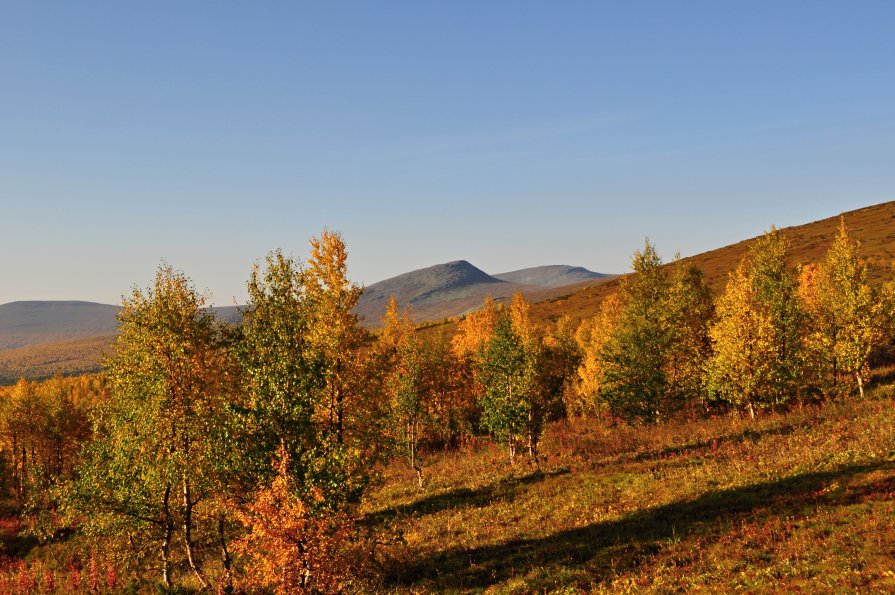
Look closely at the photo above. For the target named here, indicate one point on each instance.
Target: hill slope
(791, 502)
(873, 226)
(33, 322)
(452, 288)
(68, 358)
(551, 276)
(432, 291)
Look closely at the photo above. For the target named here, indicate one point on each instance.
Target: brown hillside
(68, 358)
(873, 226)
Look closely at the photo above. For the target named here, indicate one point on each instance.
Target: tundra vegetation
(676, 440)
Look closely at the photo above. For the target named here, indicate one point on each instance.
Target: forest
(249, 458)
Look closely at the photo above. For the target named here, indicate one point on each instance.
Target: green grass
(793, 501)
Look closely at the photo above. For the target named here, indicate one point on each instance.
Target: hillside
(40, 339)
(68, 358)
(35, 322)
(800, 501)
(551, 276)
(452, 288)
(873, 226)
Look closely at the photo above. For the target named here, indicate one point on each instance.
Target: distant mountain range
(38, 339)
(452, 288)
(30, 323)
(23, 324)
(435, 292)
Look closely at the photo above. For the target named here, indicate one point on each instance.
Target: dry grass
(803, 500)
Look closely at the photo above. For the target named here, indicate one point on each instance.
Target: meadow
(802, 500)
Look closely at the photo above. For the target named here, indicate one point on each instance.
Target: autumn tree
(42, 427)
(476, 329)
(690, 311)
(513, 403)
(591, 337)
(775, 286)
(559, 370)
(741, 368)
(452, 400)
(147, 476)
(848, 317)
(303, 376)
(409, 402)
(756, 337)
(649, 363)
(634, 380)
(282, 372)
(334, 332)
(287, 547)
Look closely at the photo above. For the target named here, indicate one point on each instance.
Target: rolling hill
(40, 338)
(551, 276)
(32, 323)
(454, 287)
(873, 227)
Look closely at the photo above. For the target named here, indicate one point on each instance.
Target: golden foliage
(591, 337)
(476, 329)
(290, 549)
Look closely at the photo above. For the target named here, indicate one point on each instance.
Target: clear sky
(510, 134)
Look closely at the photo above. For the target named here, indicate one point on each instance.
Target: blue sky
(510, 134)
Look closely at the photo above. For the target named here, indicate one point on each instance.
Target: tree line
(234, 457)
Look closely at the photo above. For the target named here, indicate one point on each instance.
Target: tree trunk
(751, 411)
(23, 476)
(860, 380)
(168, 525)
(227, 579)
(188, 534)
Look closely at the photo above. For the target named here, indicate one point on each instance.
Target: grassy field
(794, 501)
(797, 501)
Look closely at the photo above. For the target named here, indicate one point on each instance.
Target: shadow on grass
(606, 548)
(505, 489)
(14, 543)
(747, 435)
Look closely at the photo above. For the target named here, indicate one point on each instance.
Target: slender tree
(635, 383)
(149, 473)
(591, 338)
(741, 368)
(334, 330)
(848, 316)
(758, 335)
(513, 400)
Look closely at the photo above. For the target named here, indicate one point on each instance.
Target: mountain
(453, 288)
(432, 291)
(31, 323)
(552, 276)
(25, 324)
(38, 338)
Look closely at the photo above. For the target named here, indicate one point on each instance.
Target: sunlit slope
(873, 226)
